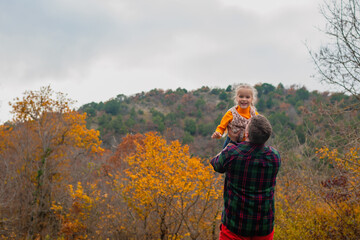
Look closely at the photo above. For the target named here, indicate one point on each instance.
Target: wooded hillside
(150, 178)
(192, 116)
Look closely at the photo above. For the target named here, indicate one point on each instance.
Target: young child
(238, 117)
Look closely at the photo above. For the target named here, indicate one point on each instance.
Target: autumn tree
(45, 142)
(169, 193)
(338, 62)
(79, 214)
(318, 204)
(318, 188)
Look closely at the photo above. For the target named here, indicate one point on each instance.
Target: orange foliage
(36, 103)
(126, 148)
(284, 106)
(187, 98)
(5, 132)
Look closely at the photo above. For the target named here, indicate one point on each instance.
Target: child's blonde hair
(246, 86)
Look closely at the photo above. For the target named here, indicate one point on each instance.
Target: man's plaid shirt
(250, 177)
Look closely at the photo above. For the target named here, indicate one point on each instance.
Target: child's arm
(228, 117)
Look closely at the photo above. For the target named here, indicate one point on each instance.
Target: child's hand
(216, 135)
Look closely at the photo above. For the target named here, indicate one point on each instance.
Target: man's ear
(246, 135)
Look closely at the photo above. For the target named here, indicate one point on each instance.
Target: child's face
(244, 97)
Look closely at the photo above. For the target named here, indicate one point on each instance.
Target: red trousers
(225, 234)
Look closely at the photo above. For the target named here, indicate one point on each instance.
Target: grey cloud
(41, 40)
(173, 43)
(50, 39)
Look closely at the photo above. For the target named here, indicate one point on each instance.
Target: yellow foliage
(329, 210)
(164, 182)
(78, 135)
(74, 219)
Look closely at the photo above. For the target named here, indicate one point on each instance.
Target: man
(250, 170)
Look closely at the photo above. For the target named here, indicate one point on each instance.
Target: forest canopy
(140, 165)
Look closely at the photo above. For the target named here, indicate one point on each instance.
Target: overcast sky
(94, 50)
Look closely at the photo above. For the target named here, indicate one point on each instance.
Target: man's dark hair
(259, 129)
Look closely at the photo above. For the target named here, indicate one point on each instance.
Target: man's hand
(234, 136)
(216, 135)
